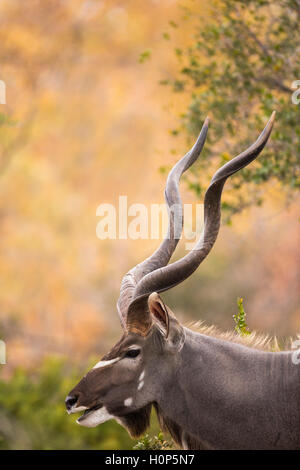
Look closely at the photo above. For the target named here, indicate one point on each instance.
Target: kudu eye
(132, 353)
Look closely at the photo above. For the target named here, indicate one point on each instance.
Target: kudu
(209, 393)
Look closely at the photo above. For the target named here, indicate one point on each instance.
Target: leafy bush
(33, 415)
(153, 443)
(241, 64)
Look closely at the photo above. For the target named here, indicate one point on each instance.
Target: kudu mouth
(91, 417)
(88, 412)
(73, 407)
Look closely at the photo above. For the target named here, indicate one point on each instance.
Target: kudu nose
(70, 401)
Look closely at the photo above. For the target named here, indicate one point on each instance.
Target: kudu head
(141, 366)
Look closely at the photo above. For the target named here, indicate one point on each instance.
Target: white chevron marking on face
(105, 363)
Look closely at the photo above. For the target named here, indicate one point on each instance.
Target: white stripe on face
(141, 380)
(140, 385)
(142, 376)
(105, 363)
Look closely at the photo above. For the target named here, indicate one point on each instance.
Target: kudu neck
(213, 373)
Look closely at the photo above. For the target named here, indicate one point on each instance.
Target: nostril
(70, 401)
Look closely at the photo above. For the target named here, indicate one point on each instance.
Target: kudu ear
(166, 322)
(159, 312)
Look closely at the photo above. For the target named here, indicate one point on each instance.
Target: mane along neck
(253, 340)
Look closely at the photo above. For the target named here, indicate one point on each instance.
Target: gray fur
(234, 397)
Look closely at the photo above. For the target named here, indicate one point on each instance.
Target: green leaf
(144, 56)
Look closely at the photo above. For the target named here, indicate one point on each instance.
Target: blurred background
(102, 98)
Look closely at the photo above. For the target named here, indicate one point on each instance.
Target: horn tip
(272, 118)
